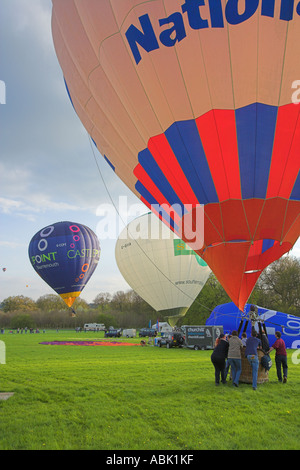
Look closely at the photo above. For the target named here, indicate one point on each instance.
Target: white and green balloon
(160, 267)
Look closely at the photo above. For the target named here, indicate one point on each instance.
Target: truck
(201, 336)
(94, 327)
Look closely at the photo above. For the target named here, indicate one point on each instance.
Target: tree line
(120, 310)
(278, 288)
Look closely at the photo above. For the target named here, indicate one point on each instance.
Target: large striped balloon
(192, 102)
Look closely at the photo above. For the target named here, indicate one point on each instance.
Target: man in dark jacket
(218, 358)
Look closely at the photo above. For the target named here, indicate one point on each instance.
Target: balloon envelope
(65, 255)
(193, 103)
(159, 266)
(230, 317)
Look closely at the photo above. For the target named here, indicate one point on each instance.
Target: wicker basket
(246, 375)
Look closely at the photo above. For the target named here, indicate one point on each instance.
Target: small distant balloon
(4, 269)
(65, 255)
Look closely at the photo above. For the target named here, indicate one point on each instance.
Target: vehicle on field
(171, 340)
(147, 332)
(129, 333)
(94, 327)
(201, 336)
(113, 333)
(163, 328)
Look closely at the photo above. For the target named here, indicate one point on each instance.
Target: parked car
(147, 332)
(170, 340)
(113, 333)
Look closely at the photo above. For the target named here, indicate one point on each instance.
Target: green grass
(113, 398)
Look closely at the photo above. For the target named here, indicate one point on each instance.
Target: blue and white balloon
(229, 316)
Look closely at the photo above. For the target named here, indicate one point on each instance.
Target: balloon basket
(246, 375)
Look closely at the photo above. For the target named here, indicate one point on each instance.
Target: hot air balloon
(65, 255)
(231, 319)
(159, 266)
(193, 105)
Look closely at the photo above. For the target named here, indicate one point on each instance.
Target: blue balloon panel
(65, 255)
(229, 316)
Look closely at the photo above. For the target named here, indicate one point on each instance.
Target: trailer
(129, 333)
(201, 336)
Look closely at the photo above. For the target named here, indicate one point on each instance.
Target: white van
(166, 329)
(94, 327)
(129, 333)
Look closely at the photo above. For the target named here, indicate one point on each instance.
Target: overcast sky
(47, 167)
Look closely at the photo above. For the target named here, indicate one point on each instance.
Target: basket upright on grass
(246, 375)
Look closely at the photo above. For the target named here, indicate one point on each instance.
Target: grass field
(133, 397)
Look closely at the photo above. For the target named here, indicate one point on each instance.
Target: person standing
(244, 338)
(251, 354)
(280, 357)
(264, 342)
(218, 358)
(234, 357)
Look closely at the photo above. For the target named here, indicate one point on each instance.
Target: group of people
(228, 354)
(21, 330)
